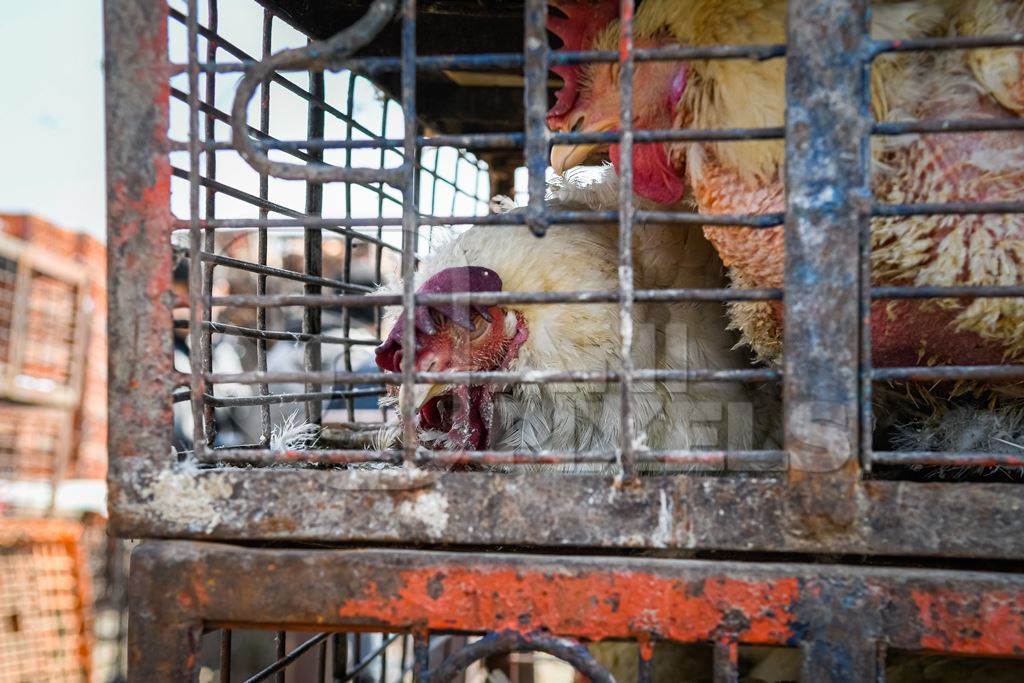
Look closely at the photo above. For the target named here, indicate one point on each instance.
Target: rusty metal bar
(209, 211)
(313, 257)
(826, 176)
(266, 428)
(535, 104)
(627, 444)
(138, 223)
(834, 612)
(726, 654)
(410, 228)
(694, 460)
(225, 656)
(199, 349)
(667, 512)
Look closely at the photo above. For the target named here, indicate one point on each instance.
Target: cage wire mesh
(273, 258)
(310, 261)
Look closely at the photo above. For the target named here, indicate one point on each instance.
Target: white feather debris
(294, 434)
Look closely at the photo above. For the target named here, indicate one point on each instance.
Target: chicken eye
(480, 327)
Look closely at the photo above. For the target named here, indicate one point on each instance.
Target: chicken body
(586, 337)
(746, 177)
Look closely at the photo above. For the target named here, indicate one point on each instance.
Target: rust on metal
(831, 610)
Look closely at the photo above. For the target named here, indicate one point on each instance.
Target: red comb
(583, 20)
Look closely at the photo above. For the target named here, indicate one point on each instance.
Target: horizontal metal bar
(756, 460)
(279, 399)
(496, 298)
(262, 269)
(947, 291)
(945, 43)
(235, 193)
(949, 372)
(763, 221)
(979, 125)
(947, 209)
(944, 459)
(372, 66)
(272, 335)
(507, 140)
(496, 377)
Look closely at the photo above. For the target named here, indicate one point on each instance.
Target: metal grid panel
(825, 384)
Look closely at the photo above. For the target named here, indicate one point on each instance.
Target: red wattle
(653, 175)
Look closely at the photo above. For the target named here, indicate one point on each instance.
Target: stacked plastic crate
(52, 352)
(52, 444)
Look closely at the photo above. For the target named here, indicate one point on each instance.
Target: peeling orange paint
(989, 623)
(593, 605)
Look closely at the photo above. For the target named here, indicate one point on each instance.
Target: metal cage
(187, 130)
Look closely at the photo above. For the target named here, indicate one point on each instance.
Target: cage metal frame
(826, 292)
(842, 617)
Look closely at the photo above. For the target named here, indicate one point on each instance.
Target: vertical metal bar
(321, 662)
(210, 209)
(626, 449)
(726, 661)
(645, 660)
(314, 257)
(197, 303)
(404, 661)
(420, 656)
(409, 226)
(225, 655)
(827, 137)
(535, 58)
(261, 236)
(280, 650)
(378, 262)
(163, 635)
(346, 312)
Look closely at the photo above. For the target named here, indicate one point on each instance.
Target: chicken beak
(564, 157)
(421, 393)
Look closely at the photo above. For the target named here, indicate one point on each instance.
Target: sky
(52, 112)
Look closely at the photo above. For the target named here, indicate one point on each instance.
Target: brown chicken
(746, 177)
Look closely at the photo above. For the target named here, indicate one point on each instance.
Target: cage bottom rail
(840, 616)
